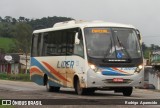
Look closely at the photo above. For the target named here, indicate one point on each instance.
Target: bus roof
(82, 24)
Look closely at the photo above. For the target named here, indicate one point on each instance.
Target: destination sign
(100, 31)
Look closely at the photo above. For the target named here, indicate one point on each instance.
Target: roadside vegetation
(6, 106)
(15, 77)
(15, 33)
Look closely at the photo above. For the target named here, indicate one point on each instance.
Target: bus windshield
(116, 43)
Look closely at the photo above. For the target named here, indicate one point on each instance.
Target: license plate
(118, 80)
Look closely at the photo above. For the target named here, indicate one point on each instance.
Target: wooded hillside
(19, 31)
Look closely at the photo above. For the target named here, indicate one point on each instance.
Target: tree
(14, 21)
(46, 22)
(5, 29)
(21, 19)
(22, 33)
(144, 47)
(1, 19)
(8, 19)
(152, 47)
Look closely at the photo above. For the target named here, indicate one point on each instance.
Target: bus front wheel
(127, 91)
(79, 90)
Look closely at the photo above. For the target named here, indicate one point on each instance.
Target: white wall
(155, 80)
(14, 68)
(23, 60)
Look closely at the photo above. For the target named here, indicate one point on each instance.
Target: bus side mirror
(77, 41)
(138, 34)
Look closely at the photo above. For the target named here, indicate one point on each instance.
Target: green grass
(6, 43)
(15, 77)
(6, 106)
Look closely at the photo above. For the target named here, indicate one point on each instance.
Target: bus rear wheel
(127, 91)
(52, 88)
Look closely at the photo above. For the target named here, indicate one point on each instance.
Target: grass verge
(18, 77)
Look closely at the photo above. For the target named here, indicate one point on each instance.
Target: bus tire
(55, 89)
(90, 91)
(127, 91)
(52, 88)
(78, 89)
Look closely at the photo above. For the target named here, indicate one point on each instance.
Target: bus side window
(59, 43)
(55, 43)
(34, 45)
(40, 45)
(49, 46)
(45, 42)
(70, 42)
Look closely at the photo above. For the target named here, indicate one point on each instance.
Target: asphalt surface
(30, 90)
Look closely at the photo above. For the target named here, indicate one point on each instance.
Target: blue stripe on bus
(35, 62)
(37, 79)
(110, 71)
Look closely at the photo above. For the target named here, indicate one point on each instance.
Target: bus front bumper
(97, 80)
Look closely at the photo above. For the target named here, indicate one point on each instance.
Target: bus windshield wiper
(108, 50)
(123, 48)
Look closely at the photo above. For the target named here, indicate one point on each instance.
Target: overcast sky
(143, 14)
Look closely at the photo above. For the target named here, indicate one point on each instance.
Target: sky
(143, 14)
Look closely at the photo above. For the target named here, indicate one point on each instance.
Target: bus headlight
(94, 68)
(139, 68)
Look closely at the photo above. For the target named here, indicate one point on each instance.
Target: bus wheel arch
(75, 78)
(78, 89)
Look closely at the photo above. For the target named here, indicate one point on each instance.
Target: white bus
(87, 56)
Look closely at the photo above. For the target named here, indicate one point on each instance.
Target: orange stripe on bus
(34, 69)
(120, 70)
(54, 71)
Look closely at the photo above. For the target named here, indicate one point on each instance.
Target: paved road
(29, 90)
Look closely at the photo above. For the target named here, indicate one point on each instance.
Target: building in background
(24, 63)
(9, 63)
(14, 63)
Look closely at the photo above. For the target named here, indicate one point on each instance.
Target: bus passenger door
(75, 62)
